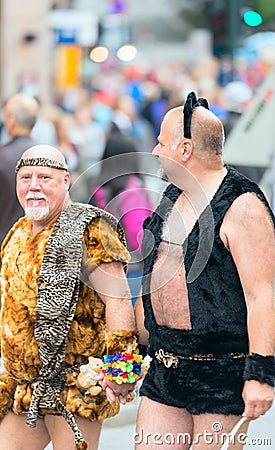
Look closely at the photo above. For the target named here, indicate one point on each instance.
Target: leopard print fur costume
(58, 290)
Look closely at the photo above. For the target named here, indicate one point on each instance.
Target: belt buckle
(168, 359)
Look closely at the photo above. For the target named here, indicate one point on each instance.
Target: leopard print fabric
(58, 330)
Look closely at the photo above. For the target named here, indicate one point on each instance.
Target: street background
(129, 61)
(176, 46)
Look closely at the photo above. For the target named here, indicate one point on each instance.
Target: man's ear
(67, 179)
(186, 149)
(10, 122)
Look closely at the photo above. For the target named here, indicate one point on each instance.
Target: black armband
(260, 368)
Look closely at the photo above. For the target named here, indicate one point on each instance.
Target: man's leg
(16, 435)
(210, 431)
(62, 435)
(162, 425)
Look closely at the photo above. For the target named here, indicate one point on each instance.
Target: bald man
(208, 293)
(20, 114)
(64, 299)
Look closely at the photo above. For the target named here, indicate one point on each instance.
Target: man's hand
(121, 391)
(258, 398)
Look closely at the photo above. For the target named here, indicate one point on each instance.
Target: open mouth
(33, 202)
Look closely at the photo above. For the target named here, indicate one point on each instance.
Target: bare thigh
(62, 436)
(210, 431)
(162, 425)
(16, 435)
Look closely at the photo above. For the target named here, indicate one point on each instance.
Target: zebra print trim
(45, 162)
(58, 292)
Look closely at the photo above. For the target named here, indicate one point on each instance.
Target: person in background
(63, 125)
(44, 131)
(207, 307)
(122, 192)
(20, 115)
(89, 137)
(65, 299)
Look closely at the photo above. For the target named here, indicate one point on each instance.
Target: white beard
(37, 213)
(162, 174)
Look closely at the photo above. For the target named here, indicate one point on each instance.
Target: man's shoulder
(86, 213)
(14, 148)
(80, 217)
(86, 209)
(9, 156)
(4, 148)
(249, 204)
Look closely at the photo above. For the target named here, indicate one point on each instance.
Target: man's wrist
(124, 341)
(260, 368)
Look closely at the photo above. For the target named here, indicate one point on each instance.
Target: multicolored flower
(122, 367)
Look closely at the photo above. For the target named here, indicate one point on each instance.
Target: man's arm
(110, 282)
(248, 233)
(139, 314)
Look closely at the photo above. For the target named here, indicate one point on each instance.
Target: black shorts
(200, 387)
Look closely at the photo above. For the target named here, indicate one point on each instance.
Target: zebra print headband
(45, 162)
(191, 102)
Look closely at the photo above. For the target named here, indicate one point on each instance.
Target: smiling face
(42, 191)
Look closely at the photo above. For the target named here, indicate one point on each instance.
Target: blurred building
(25, 43)
(46, 43)
(43, 42)
(40, 45)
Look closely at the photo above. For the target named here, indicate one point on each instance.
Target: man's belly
(169, 295)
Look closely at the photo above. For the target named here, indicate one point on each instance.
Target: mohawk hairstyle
(191, 102)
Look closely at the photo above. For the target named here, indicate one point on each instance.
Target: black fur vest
(216, 299)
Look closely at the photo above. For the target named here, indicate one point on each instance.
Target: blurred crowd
(134, 99)
(114, 114)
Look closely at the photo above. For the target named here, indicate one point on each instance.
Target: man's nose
(35, 184)
(155, 150)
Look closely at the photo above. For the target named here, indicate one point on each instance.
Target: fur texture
(87, 335)
(260, 368)
(216, 299)
(189, 106)
(217, 310)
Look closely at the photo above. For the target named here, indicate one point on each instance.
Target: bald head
(42, 155)
(207, 132)
(206, 129)
(21, 113)
(45, 151)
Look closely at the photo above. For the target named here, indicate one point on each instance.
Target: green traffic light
(252, 18)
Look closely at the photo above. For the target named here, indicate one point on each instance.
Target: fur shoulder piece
(58, 291)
